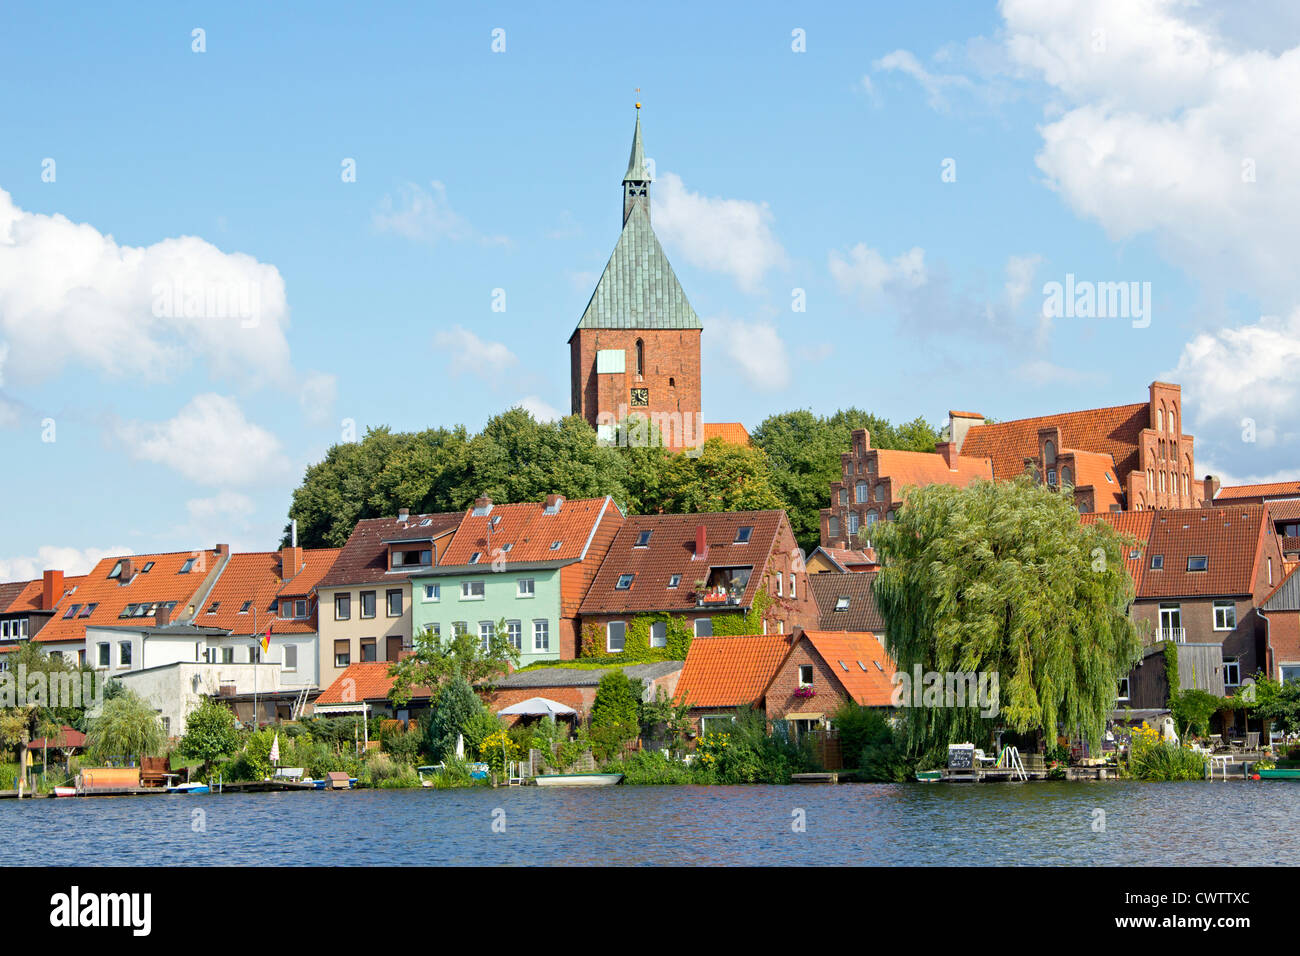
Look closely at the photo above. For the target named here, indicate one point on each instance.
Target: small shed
(337, 780)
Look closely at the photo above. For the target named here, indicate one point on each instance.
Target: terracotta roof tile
(364, 558)
(1228, 492)
(730, 671)
(1096, 470)
(1228, 537)
(528, 533)
(67, 738)
(921, 468)
(1134, 524)
(670, 551)
(1112, 431)
(733, 433)
(162, 583)
(10, 592)
(861, 614)
(254, 578)
(859, 662)
(364, 681)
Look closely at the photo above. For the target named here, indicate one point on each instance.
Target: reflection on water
(1037, 823)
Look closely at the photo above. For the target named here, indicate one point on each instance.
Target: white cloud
(224, 504)
(731, 236)
(936, 85)
(755, 347)
(70, 295)
(210, 442)
(1245, 373)
(1020, 277)
(540, 410)
(54, 557)
(470, 353)
(316, 395)
(867, 273)
(425, 215)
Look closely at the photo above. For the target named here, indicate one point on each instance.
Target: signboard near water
(961, 756)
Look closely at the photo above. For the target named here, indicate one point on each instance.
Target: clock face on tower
(640, 397)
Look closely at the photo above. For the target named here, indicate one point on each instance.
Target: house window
(515, 631)
(872, 517)
(541, 635)
(1225, 615)
(124, 654)
(861, 491)
(290, 657)
(715, 724)
(367, 604)
(104, 655)
(71, 612)
(780, 591)
(1051, 477)
(187, 566)
(1123, 690)
(432, 592)
(640, 357)
(643, 539)
(743, 534)
(805, 675)
(853, 522)
(342, 653)
(792, 586)
(300, 609)
(1197, 562)
(227, 655)
(471, 590)
(842, 603)
(395, 602)
(1067, 477)
(658, 633)
(486, 631)
(703, 626)
(369, 650)
(1231, 673)
(880, 492)
(674, 581)
(1157, 562)
(615, 634)
(833, 527)
(459, 628)
(624, 582)
(844, 497)
(1288, 672)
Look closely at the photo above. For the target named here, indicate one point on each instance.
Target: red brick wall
(780, 693)
(671, 373)
(1284, 640)
(786, 559)
(579, 698)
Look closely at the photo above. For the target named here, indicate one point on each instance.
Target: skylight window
(743, 534)
(624, 582)
(243, 608)
(213, 608)
(426, 522)
(147, 568)
(841, 604)
(555, 545)
(1198, 562)
(128, 611)
(116, 572)
(643, 539)
(1157, 562)
(185, 568)
(71, 612)
(88, 610)
(1109, 479)
(675, 580)
(473, 558)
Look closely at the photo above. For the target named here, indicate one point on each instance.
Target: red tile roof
(920, 468)
(733, 433)
(364, 558)
(1096, 470)
(10, 592)
(1134, 524)
(161, 583)
(671, 551)
(859, 662)
(526, 533)
(364, 681)
(1228, 537)
(255, 577)
(851, 559)
(1112, 431)
(730, 671)
(67, 739)
(861, 613)
(1229, 492)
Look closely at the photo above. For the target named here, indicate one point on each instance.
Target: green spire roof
(638, 289)
(636, 162)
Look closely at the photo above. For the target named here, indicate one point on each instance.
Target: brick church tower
(636, 350)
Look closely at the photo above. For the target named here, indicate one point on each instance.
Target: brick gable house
(698, 568)
(1281, 614)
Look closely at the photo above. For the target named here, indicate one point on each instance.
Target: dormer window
(1049, 452)
(743, 534)
(418, 557)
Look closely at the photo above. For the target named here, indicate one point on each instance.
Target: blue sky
(1108, 140)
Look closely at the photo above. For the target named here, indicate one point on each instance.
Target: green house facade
(526, 596)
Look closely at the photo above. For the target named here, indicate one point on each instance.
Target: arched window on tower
(1049, 452)
(640, 357)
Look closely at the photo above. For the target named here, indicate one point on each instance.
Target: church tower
(636, 350)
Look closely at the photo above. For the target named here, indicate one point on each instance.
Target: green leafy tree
(128, 727)
(615, 713)
(1002, 578)
(456, 711)
(1278, 703)
(437, 660)
(210, 734)
(724, 477)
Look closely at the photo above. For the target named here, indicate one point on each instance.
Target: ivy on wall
(636, 642)
(1171, 670)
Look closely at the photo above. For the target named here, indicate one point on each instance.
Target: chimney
(162, 615)
(482, 506)
(290, 562)
(293, 533)
(701, 543)
(1211, 486)
(403, 514)
(553, 503)
(223, 550)
(51, 589)
(128, 571)
(948, 449)
(870, 554)
(959, 423)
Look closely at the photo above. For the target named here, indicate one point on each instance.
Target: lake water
(1228, 822)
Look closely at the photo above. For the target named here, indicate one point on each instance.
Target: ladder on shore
(1010, 758)
(299, 705)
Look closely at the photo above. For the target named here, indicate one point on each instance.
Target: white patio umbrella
(460, 746)
(537, 707)
(275, 750)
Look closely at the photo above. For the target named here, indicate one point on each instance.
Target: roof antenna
(293, 533)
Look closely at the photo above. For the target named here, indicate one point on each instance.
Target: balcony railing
(1175, 634)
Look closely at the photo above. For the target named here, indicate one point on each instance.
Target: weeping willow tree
(127, 727)
(1002, 578)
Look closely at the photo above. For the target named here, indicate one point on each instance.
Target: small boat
(65, 791)
(1279, 773)
(479, 771)
(189, 788)
(929, 776)
(578, 779)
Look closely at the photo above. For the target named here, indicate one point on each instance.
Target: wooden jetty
(815, 778)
